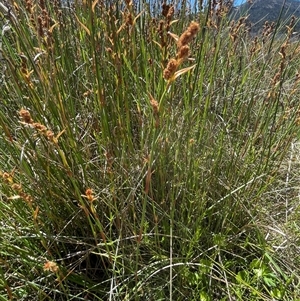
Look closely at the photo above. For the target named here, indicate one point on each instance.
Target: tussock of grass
(139, 151)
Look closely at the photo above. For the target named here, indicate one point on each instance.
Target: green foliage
(137, 154)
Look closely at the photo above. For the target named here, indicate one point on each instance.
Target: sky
(238, 2)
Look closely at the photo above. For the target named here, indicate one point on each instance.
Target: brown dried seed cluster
(51, 266)
(163, 26)
(170, 69)
(26, 119)
(284, 60)
(254, 46)
(182, 50)
(89, 195)
(268, 29)
(8, 178)
(168, 12)
(154, 105)
(25, 115)
(235, 28)
(188, 35)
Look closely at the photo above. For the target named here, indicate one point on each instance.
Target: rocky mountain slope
(260, 11)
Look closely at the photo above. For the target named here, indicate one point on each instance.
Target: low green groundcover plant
(146, 153)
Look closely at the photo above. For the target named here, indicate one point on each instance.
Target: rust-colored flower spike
(165, 9)
(29, 6)
(50, 135)
(170, 13)
(154, 104)
(51, 266)
(188, 35)
(170, 69)
(39, 127)
(183, 52)
(25, 116)
(128, 2)
(194, 28)
(89, 194)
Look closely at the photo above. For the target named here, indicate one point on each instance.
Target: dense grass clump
(148, 152)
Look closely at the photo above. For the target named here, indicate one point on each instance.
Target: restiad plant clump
(148, 152)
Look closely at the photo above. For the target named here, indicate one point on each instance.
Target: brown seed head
(128, 3)
(25, 115)
(194, 28)
(39, 127)
(50, 136)
(188, 35)
(170, 69)
(165, 9)
(154, 104)
(170, 13)
(89, 191)
(160, 26)
(129, 19)
(89, 194)
(46, 19)
(16, 187)
(183, 52)
(42, 4)
(29, 6)
(51, 266)
(27, 198)
(7, 177)
(184, 39)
